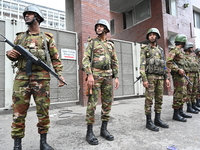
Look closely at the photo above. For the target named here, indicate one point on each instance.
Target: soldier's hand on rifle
(167, 83)
(61, 83)
(146, 84)
(116, 83)
(90, 81)
(181, 72)
(13, 53)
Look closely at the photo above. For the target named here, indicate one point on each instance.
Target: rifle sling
(104, 46)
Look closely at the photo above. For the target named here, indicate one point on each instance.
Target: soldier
(197, 52)
(153, 73)
(42, 45)
(175, 62)
(101, 65)
(191, 70)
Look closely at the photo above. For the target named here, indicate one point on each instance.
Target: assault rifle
(186, 77)
(138, 78)
(31, 59)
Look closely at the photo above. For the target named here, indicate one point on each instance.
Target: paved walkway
(127, 124)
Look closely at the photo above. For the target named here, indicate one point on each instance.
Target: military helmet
(197, 50)
(153, 30)
(103, 22)
(188, 45)
(181, 38)
(34, 9)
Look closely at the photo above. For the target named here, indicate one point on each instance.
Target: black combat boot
(17, 144)
(177, 116)
(43, 144)
(183, 114)
(149, 124)
(90, 137)
(194, 106)
(104, 132)
(159, 122)
(191, 110)
(198, 102)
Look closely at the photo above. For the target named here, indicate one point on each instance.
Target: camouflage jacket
(36, 42)
(175, 55)
(192, 65)
(146, 52)
(198, 60)
(100, 56)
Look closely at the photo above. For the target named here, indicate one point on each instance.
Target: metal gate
(64, 40)
(129, 63)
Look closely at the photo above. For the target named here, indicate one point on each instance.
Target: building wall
(88, 12)
(137, 33)
(183, 22)
(196, 4)
(86, 15)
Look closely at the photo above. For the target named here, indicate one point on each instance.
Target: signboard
(68, 54)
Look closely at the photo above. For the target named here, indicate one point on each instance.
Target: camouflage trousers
(105, 85)
(154, 91)
(192, 90)
(180, 91)
(22, 91)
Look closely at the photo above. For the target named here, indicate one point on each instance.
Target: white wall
(197, 39)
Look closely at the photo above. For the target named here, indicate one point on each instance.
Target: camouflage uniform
(193, 76)
(102, 78)
(36, 84)
(180, 84)
(198, 87)
(155, 81)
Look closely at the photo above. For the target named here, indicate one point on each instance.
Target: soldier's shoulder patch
(143, 46)
(49, 34)
(172, 48)
(89, 39)
(111, 41)
(18, 33)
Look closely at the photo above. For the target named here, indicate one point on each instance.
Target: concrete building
(13, 9)
(130, 21)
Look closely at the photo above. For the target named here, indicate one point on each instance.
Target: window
(50, 15)
(21, 8)
(6, 5)
(6, 14)
(112, 27)
(142, 11)
(137, 14)
(44, 13)
(50, 23)
(196, 16)
(62, 17)
(171, 7)
(62, 25)
(14, 16)
(55, 15)
(128, 19)
(14, 6)
(56, 25)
